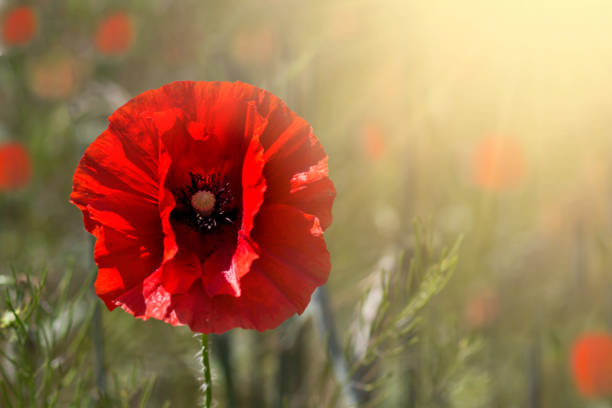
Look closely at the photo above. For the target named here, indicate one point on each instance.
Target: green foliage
(46, 352)
(400, 295)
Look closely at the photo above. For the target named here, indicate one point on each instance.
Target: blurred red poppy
(208, 201)
(499, 163)
(19, 26)
(115, 34)
(344, 22)
(373, 140)
(482, 309)
(54, 77)
(15, 166)
(591, 361)
(255, 46)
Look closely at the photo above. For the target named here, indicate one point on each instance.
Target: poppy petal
(123, 262)
(293, 253)
(179, 273)
(296, 170)
(149, 300)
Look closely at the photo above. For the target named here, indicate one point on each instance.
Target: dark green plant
(46, 350)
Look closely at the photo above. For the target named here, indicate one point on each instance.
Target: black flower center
(206, 203)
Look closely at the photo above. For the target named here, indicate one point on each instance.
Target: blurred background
(483, 120)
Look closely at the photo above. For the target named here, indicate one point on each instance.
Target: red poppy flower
(592, 364)
(19, 26)
(15, 166)
(208, 201)
(115, 34)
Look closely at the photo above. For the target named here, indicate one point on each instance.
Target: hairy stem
(207, 382)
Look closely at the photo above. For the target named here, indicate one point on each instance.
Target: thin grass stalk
(97, 336)
(534, 386)
(325, 321)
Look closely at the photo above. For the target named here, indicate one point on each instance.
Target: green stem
(207, 385)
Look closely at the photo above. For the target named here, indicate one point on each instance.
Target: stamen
(203, 202)
(206, 203)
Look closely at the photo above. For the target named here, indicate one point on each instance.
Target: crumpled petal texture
(254, 265)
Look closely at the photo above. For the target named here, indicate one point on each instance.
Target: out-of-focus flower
(552, 217)
(344, 22)
(54, 77)
(482, 309)
(178, 47)
(208, 201)
(19, 26)
(179, 42)
(498, 163)
(115, 34)
(387, 83)
(373, 140)
(255, 46)
(15, 166)
(591, 360)
(583, 202)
